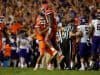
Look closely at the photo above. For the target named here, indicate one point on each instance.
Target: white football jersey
(23, 43)
(85, 33)
(96, 25)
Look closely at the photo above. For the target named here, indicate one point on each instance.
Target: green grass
(29, 71)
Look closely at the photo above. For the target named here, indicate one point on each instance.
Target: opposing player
(95, 52)
(23, 47)
(84, 45)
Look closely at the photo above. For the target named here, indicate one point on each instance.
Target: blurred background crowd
(17, 20)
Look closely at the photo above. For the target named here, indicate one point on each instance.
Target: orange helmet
(46, 9)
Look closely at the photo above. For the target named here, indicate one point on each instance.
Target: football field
(30, 71)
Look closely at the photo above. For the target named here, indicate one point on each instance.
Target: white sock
(82, 65)
(22, 62)
(71, 64)
(21, 65)
(36, 66)
(90, 63)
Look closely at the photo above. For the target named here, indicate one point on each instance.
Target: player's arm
(78, 35)
(91, 30)
(18, 43)
(40, 32)
(50, 19)
(43, 31)
(72, 33)
(78, 32)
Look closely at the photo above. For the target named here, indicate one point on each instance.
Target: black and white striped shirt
(68, 28)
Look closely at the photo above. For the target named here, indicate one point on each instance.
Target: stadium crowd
(77, 38)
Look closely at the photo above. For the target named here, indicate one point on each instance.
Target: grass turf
(29, 71)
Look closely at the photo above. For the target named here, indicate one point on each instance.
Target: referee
(66, 45)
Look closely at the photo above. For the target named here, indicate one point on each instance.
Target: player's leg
(48, 37)
(82, 49)
(42, 51)
(57, 46)
(14, 58)
(72, 53)
(22, 58)
(95, 52)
